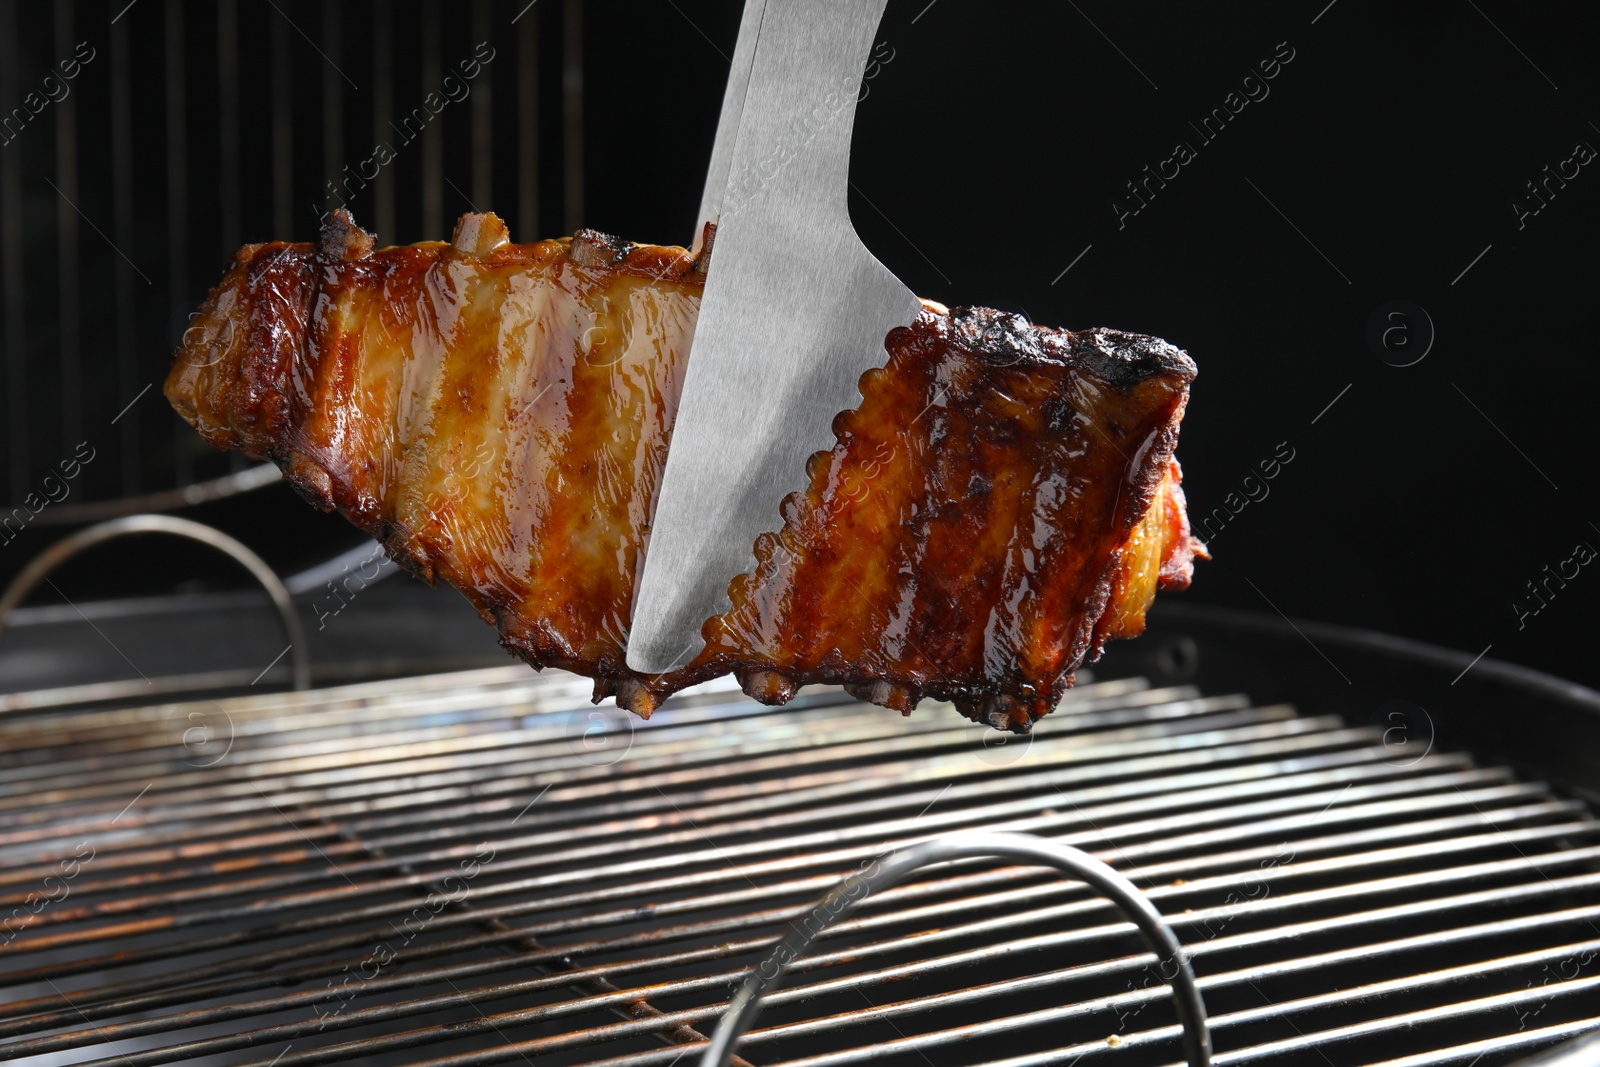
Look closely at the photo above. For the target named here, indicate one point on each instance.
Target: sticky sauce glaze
(1003, 500)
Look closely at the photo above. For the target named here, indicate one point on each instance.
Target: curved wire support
(245, 481)
(315, 577)
(891, 869)
(63, 550)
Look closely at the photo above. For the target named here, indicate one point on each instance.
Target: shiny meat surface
(1002, 502)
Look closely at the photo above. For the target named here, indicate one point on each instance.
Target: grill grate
(478, 868)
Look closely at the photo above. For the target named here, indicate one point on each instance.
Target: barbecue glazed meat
(1003, 501)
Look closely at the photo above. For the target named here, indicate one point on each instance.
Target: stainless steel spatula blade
(795, 309)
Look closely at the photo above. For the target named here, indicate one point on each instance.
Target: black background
(1382, 165)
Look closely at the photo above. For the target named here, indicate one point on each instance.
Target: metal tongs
(794, 310)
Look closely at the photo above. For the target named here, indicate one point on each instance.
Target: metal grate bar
(1317, 1039)
(849, 738)
(879, 836)
(1011, 900)
(1227, 742)
(679, 806)
(1479, 1051)
(845, 785)
(715, 876)
(425, 717)
(332, 751)
(1240, 879)
(550, 756)
(652, 812)
(881, 977)
(632, 1005)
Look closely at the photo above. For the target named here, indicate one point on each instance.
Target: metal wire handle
(63, 550)
(889, 870)
(186, 496)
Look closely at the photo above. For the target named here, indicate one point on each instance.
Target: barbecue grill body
(482, 867)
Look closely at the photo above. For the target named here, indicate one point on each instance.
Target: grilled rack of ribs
(1003, 501)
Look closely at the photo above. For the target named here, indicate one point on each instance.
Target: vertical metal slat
(228, 119)
(183, 437)
(123, 226)
(382, 116)
(228, 147)
(282, 141)
(433, 132)
(15, 336)
(67, 278)
(528, 126)
(482, 130)
(332, 97)
(572, 112)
